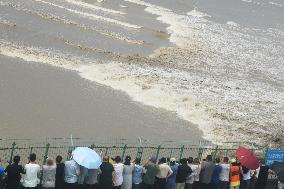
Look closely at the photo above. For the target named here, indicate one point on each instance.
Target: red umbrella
(247, 158)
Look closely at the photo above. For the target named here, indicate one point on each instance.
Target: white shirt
(165, 169)
(225, 173)
(71, 171)
(118, 168)
(30, 179)
(246, 176)
(257, 172)
(190, 178)
(198, 170)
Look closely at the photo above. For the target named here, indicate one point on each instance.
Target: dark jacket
(59, 177)
(207, 169)
(183, 171)
(14, 172)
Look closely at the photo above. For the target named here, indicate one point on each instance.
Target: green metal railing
(135, 148)
(143, 150)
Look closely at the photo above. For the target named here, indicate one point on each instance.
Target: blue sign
(274, 155)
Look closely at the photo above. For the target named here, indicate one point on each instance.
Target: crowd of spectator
(166, 173)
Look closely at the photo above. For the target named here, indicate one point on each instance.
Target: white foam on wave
(34, 54)
(231, 23)
(275, 4)
(64, 20)
(93, 7)
(6, 22)
(247, 1)
(92, 16)
(138, 83)
(197, 13)
(226, 53)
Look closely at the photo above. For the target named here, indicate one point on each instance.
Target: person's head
(138, 161)
(173, 161)
(196, 161)
(49, 162)
(117, 159)
(32, 157)
(183, 161)
(17, 159)
(127, 160)
(163, 160)
(226, 160)
(106, 159)
(190, 160)
(217, 160)
(209, 158)
(234, 162)
(58, 159)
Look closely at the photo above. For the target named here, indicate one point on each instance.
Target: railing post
(171, 153)
(31, 150)
(12, 153)
(181, 152)
(44, 161)
(106, 151)
(123, 152)
(158, 151)
(215, 153)
(200, 153)
(69, 151)
(46, 153)
(139, 152)
(266, 153)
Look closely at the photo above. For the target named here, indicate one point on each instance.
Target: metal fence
(141, 148)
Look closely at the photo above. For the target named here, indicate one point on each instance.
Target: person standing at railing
(164, 173)
(172, 179)
(82, 177)
(207, 169)
(190, 178)
(196, 168)
(59, 177)
(137, 174)
(151, 171)
(48, 174)
(216, 182)
(184, 171)
(246, 177)
(118, 168)
(91, 181)
(225, 173)
(107, 174)
(71, 173)
(2, 176)
(14, 172)
(262, 175)
(127, 173)
(235, 175)
(31, 177)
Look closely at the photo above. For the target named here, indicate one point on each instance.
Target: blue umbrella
(87, 157)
